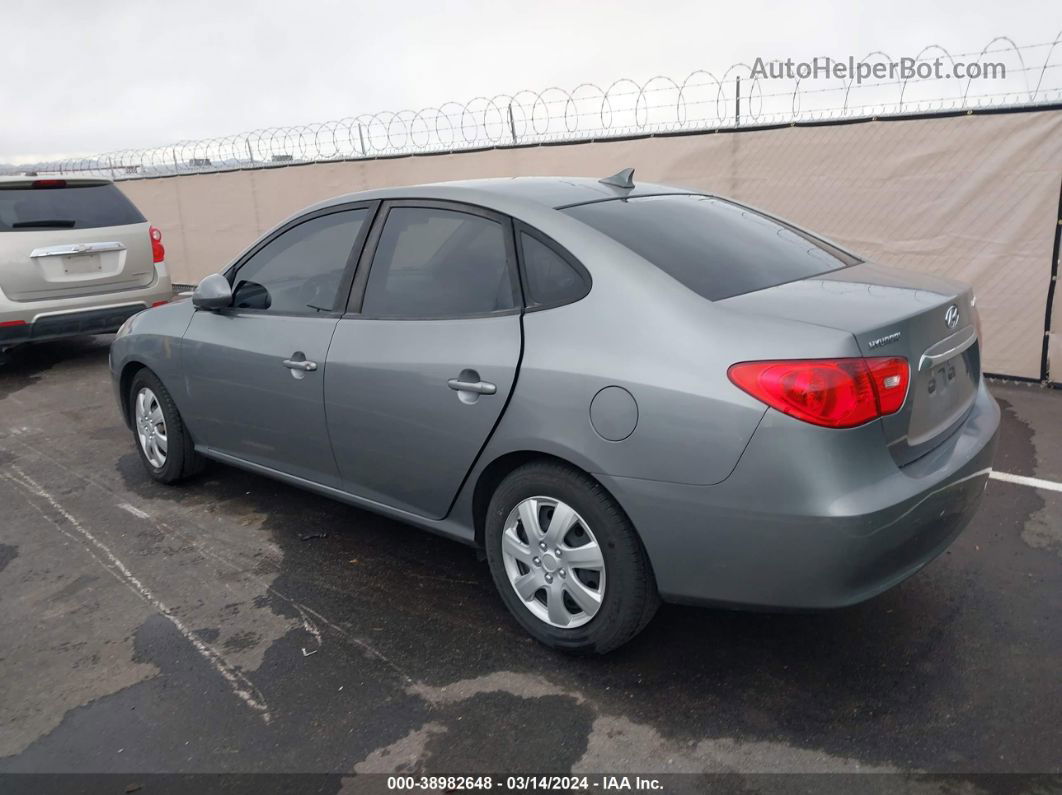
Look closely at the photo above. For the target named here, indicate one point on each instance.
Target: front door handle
(478, 387)
(300, 364)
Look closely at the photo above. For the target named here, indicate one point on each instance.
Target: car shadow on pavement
(22, 365)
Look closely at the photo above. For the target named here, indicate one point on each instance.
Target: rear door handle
(479, 387)
(300, 364)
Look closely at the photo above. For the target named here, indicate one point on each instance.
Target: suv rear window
(73, 206)
(716, 248)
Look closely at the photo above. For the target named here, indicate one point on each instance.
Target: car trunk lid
(68, 238)
(929, 321)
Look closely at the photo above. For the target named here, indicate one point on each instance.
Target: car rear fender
(629, 387)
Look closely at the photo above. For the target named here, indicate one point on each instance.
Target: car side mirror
(213, 292)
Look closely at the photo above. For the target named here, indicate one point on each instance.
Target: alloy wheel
(151, 427)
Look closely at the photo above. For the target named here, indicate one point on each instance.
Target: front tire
(567, 561)
(166, 450)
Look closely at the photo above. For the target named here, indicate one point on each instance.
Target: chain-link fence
(703, 100)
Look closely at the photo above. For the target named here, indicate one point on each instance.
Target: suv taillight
(834, 393)
(158, 251)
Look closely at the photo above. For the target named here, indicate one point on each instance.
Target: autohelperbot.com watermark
(860, 71)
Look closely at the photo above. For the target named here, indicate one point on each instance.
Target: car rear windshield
(716, 248)
(25, 208)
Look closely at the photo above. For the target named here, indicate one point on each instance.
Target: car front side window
(300, 271)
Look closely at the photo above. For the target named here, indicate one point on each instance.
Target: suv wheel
(165, 448)
(567, 561)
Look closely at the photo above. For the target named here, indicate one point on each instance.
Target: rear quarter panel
(669, 348)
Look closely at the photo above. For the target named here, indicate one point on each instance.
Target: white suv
(76, 257)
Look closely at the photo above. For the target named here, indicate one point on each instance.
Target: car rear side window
(300, 270)
(56, 204)
(433, 262)
(716, 248)
(551, 280)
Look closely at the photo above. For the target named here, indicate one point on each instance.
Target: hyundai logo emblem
(951, 316)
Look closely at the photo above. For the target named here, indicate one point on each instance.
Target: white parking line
(139, 514)
(1021, 480)
(238, 682)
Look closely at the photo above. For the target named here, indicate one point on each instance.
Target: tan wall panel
(157, 200)
(972, 197)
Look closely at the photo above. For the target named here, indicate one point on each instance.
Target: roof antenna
(623, 179)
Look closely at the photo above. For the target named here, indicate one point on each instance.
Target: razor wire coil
(702, 101)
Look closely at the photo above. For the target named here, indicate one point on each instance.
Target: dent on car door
(420, 371)
(254, 373)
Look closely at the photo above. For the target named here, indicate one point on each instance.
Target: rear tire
(166, 450)
(584, 585)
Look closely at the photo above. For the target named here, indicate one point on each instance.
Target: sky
(88, 77)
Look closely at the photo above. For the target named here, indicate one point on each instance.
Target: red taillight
(835, 393)
(13, 323)
(158, 251)
(159, 303)
(48, 183)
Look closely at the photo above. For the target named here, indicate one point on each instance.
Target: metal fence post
(512, 123)
(361, 138)
(737, 101)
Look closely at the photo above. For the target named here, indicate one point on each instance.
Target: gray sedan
(621, 393)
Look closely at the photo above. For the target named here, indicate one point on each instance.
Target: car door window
(299, 272)
(551, 280)
(433, 262)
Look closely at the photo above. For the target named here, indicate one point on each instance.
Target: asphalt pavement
(234, 624)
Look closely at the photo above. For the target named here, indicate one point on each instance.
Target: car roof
(505, 192)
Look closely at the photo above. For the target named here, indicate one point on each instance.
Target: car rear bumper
(32, 321)
(809, 520)
(69, 324)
